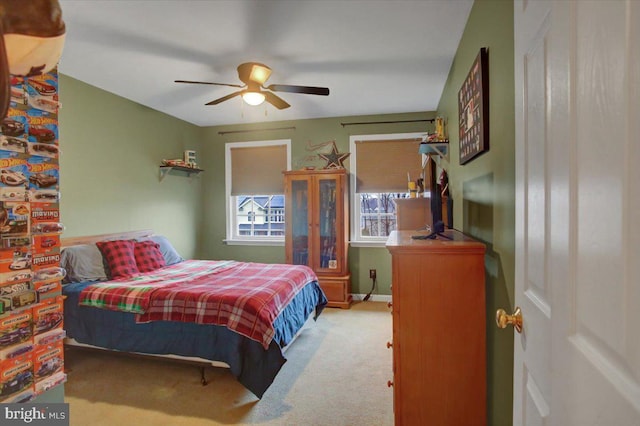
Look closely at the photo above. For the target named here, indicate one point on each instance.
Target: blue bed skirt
(250, 363)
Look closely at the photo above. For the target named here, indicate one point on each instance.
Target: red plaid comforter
(244, 297)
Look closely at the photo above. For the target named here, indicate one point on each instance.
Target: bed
(240, 315)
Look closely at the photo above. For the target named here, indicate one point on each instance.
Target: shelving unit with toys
(31, 304)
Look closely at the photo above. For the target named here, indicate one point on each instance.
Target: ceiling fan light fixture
(259, 73)
(253, 98)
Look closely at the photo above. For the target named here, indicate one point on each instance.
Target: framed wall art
(473, 110)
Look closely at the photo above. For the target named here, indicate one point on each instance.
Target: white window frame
(231, 237)
(358, 240)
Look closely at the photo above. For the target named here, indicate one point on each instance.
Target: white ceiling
(375, 56)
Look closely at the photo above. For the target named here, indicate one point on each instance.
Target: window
(378, 213)
(260, 215)
(380, 167)
(255, 191)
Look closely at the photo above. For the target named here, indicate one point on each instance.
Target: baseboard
(373, 298)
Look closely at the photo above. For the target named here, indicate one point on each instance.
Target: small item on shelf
(190, 158)
(412, 189)
(440, 131)
(174, 163)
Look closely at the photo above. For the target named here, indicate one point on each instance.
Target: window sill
(380, 244)
(253, 243)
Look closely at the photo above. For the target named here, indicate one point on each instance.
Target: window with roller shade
(255, 190)
(381, 167)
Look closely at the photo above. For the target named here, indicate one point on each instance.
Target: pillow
(170, 254)
(83, 263)
(148, 256)
(120, 258)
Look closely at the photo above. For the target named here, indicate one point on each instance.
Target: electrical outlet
(372, 274)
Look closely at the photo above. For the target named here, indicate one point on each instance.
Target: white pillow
(83, 263)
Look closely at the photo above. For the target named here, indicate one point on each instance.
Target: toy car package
(45, 244)
(42, 93)
(14, 220)
(14, 175)
(43, 182)
(18, 95)
(47, 315)
(44, 212)
(16, 375)
(15, 328)
(47, 288)
(11, 289)
(13, 131)
(16, 259)
(45, 261)
(15, 277)
(52, 336)
(42, 129)
(13, 169)
(22, 397)
(21, 299)
(17, 350)
(51, 381)
(48, 360)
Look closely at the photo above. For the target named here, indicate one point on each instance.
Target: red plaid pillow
(148, 256)
(120, 258)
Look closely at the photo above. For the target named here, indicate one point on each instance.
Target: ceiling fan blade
(207, 82)
(309, 90)
(275, 100)
(225, 98)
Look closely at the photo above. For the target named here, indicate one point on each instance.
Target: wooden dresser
(439, 335)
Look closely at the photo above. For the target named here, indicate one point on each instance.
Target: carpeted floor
(336, 374)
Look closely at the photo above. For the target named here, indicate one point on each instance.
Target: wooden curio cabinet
(317, 228)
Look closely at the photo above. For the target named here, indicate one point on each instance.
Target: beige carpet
(336, 374)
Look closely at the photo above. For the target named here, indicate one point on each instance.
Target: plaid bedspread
(245, 297)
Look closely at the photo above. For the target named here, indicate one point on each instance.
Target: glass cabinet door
(327, 255)
(300, 226)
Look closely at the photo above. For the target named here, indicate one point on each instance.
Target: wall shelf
(440, 148)
(191, 171)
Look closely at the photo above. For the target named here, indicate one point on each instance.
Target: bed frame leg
(203, 379)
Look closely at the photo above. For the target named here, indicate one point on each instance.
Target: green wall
(302, 134)
(109, 178)
(483, 190)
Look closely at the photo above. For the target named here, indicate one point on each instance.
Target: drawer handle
(389, 345)
(389, 383)
(389, 305)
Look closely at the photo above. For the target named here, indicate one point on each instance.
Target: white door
(577, 71)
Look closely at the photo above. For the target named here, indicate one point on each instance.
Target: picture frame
(473, 110)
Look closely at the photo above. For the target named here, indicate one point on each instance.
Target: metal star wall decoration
(334, 158)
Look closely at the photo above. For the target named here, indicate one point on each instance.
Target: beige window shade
(382, 166)
(258, 170)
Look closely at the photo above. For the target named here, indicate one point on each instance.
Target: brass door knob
(503, 319)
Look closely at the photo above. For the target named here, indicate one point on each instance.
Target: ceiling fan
(254, 92)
